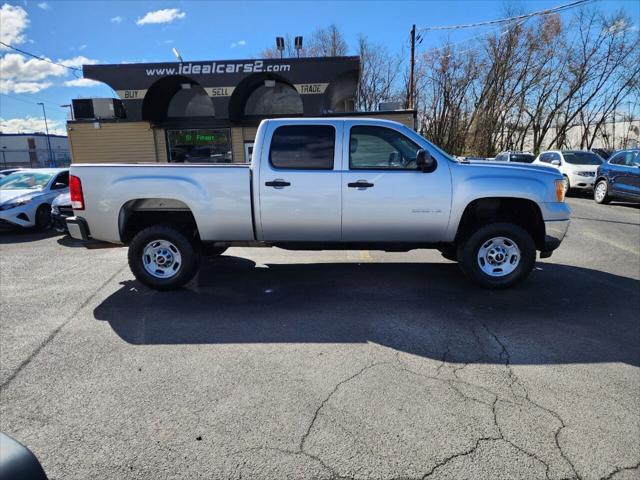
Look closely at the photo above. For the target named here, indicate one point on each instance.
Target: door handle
(278, 183)
(360, 184)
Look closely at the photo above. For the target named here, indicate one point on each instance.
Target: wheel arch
(520, 211)
(139, 213)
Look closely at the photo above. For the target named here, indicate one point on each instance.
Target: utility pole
(46, 127)
(413, 62)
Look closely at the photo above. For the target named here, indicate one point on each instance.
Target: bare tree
(327, 42)
(323, 42)
(378, 75)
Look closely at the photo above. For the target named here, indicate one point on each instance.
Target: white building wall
(14, 150)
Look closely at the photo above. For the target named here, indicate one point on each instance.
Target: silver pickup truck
(324, 183)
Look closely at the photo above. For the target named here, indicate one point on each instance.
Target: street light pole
(70, 107)
(46, 127)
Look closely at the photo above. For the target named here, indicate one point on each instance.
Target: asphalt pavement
(291, 365)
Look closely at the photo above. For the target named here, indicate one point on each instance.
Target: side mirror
(424, 161)
(555, 163)
(59, 186)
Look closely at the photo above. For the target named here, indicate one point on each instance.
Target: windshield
(522, 157)
(582, 158)
(27, 180)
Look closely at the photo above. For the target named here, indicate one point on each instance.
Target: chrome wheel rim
(498, 256)
(161, 259)
(565, 184)
(601, 191)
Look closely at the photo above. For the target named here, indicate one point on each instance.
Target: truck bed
(219, 196)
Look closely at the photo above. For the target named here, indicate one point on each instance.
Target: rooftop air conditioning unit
(98, 108)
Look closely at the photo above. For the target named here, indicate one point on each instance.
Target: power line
(73, 69)
(53, 105)
(510, 19)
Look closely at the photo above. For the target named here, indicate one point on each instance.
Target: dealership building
(208, 111)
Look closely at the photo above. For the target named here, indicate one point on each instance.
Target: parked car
(519, 157)
(60, 211)
(619, 177)
(26, 196)
(329, 183)
(578, 167)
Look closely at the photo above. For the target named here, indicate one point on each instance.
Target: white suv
(578, 167)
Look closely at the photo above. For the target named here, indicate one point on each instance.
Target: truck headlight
(559, 190)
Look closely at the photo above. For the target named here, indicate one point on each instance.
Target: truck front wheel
(162, 257)
(497, 255)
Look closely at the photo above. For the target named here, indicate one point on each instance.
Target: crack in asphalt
(621, 469)
(454, 384)
(57, 330)
(328, 397)
(504, 354)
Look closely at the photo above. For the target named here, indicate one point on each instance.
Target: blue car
(619, 177)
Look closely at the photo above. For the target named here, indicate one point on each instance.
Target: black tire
(190, 258)
(469, 249)
(450, 253)
(43, 218)
(601, 199)
(210, 251)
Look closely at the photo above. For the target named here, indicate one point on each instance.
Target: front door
(300, 182)
(625, 176)
(384, 197)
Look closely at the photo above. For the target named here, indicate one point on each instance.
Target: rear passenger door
(300, 179)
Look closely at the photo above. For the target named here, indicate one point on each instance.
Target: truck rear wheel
(497, 255)
(163, 258)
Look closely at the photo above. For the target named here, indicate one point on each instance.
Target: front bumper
(78, 229)
(555, 231)
(22, 216)
(580, 182)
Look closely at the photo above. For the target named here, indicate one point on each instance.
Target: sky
(82, 32)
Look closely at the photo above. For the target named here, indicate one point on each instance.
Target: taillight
(75, 192)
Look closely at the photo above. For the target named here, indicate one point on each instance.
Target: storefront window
(277, 99)
(200, 145)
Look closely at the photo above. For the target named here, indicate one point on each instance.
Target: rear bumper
(59, 222)
(78, 228)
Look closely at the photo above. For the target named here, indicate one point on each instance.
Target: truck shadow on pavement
(561, 314)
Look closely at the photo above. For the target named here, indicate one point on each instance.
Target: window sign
(200, 146)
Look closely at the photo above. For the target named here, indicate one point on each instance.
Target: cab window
(380, 148)
(303, 147)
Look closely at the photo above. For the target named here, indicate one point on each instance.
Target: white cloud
(14, 22)
(239, 43)
(31, 124)
(81, 82)
(11, 86)
(20, 75)
(166, 15)
(242, 42)
(82, 47)
(44, 6)
(117, 19)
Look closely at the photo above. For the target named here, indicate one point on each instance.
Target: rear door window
(303, 147)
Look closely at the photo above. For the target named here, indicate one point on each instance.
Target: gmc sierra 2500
(325, 183)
